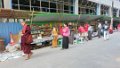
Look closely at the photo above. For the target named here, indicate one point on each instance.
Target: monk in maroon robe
(26, 48)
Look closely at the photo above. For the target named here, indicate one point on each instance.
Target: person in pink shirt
(65, 34)
(118, 27)
(82, 32)
(86, 26)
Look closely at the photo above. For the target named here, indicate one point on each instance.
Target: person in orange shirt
(55, 37)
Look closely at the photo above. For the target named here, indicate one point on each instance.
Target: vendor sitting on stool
(12, 46)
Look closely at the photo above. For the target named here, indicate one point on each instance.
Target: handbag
(29, 39)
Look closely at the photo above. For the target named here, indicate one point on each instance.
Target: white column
(111, 15)
(18, 4)
(7, 4)
(0, 3)
(110, 12)
(117, 13)
(98, 9)
(76, 7)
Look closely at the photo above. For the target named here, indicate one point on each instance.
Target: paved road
(93, 54)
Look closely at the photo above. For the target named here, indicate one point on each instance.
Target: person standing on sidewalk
(90, 31)
(86, 26)
(118, 27)
(26, 48)
(66, 34)
(71, 37)
(55, 37)
(99, 29)
(106, 27)
(81, 31)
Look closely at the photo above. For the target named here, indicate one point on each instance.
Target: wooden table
(2, 46)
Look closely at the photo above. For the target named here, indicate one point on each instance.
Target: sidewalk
(96, 53)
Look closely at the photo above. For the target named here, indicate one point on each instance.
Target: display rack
(44, 31)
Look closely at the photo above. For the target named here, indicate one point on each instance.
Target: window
(24, 4)
(87, 7)
(104, 10)
(45, 6)
(53, 7)
(114, 12)
(15, 4)
(35, 4)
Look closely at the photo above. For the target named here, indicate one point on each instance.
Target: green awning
(116, 19)
(107, 18)
(104, 18)
(55, 17)
(88, 17)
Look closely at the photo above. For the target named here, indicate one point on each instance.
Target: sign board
(7, 13)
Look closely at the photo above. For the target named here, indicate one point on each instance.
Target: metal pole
(40, 6)
(32, 16)
(49, 6)
(30, 4)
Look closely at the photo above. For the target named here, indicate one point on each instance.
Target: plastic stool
(60, 42)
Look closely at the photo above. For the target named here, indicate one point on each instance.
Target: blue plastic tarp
(6, 28)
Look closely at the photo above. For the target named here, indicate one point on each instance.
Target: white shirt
(99, 26)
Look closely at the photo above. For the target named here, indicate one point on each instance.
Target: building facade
(94, 7)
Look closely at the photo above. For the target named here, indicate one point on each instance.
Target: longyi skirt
(65, 43)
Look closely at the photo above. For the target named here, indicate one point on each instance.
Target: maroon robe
(25, 47)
